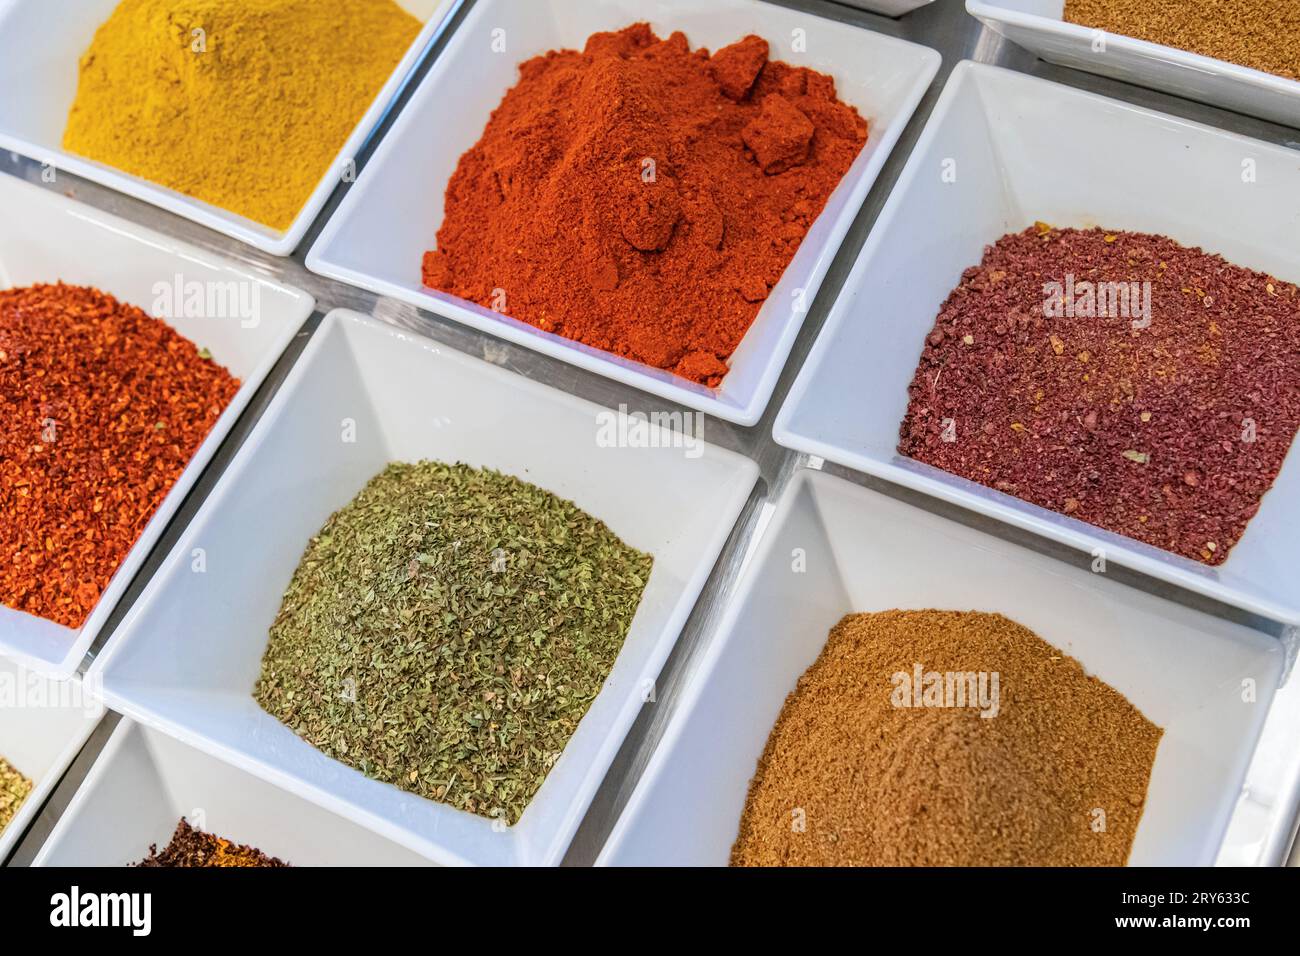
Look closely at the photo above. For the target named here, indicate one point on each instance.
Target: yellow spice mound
(243, 104)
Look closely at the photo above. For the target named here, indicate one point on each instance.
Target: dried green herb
(14, 788)
(446, 631)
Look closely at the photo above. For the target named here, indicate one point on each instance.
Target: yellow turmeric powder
(244, 104)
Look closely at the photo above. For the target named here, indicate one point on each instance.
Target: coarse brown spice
(642, 197)
(1261, 34)
(103, 406)
(1169, 434)
(190, 847)
(14, 789)
(850, 779)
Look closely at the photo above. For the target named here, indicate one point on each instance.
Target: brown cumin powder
(1261, 34)
(850, 779)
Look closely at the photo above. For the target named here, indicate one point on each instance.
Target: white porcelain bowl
(890, 8)
(144, 782)
(378, 235)
(41, 44)
(43, 725)
(187, 656)
(864, 551)
(1024, 149)
(1038, 26)
(45, 237)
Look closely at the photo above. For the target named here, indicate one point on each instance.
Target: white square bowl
(390, 217)
(1026, 149)
(144, 782)
(41, 44)
(1037, 25)
(45, 237)
(890, 8)
(187, 656)
(43, 725)
(864, 552)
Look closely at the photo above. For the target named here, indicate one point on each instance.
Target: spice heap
(1120, 378)
(194, 848)
(447, 630)
(877, 759)
(643, 198)
(14, 789)
(103, 407)
(1261, 34)
(243, 104)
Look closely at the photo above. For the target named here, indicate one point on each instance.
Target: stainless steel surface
(943, 25)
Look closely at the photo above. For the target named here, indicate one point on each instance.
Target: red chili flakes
(103, 406)
(1169, 432)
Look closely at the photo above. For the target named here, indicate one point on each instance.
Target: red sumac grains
(103, 406)
(1120, 378)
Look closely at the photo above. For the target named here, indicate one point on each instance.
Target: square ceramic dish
(187, 656)
(1037, 25)
(41, 44)
(890, 8)
(144, 782)
(390, 217)
(43, 725)
(244, 320)
(864, 551)
(1001, 133)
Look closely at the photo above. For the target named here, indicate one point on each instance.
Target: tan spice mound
(1261, 34)
(876, 784)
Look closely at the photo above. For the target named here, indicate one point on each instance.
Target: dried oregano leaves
(447, 629)
(14, 789)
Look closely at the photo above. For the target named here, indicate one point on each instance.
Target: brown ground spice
(876, 784)
(1170, 434)
(642, 197)
(1261, 34)
(194, 848)
(103, 407)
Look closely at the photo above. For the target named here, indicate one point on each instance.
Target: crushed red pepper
(1167, 426)
(103, 407)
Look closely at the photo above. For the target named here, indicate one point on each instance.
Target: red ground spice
(1146, 432)
(555, 217)
(103, 407)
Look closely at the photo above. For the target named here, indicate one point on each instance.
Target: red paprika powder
(643, 198)
(103, 407)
